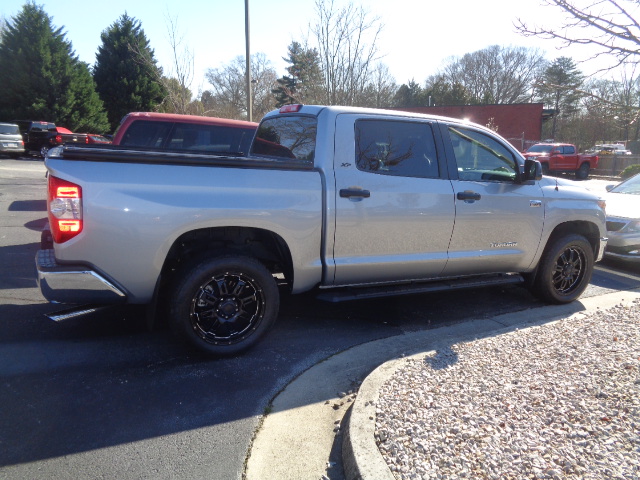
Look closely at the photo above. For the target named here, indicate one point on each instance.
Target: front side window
(398, 148)
(288, 137)
(480, 156)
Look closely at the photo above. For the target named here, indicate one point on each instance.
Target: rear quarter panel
(133, 213)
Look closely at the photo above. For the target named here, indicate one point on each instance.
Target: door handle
(354, 192)
(468, 196)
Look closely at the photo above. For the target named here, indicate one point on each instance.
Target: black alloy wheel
(223, 305)
(565, 269)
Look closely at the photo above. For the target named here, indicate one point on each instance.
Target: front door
(498, 221)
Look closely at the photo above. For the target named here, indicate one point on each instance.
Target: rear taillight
(65, 209)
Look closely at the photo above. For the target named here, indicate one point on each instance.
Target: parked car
(562, 157)
(100, 139)
(40, 137)
(11, 142)
(610, 149)
(623, 220)
(191, 133)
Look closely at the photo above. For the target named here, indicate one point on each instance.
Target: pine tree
(559, 90)
(126, 72)
(42, 78)
(304, 82)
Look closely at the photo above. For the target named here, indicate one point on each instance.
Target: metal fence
(614, 164)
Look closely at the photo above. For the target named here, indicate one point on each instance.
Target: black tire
(583, 172)
(223, 305)
(43, 151)
(565, 269)
(545, 169)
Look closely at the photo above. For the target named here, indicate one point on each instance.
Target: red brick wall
(517, 123)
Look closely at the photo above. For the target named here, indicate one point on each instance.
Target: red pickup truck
(562, 157)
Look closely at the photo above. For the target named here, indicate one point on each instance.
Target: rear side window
(210, 138)
(569, 150)
(289, 137)
(399, 148)
(190, 137)
(143, 133)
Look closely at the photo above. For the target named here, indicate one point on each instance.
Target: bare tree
(608, 25)
(178, 82)
(496, 74)
(346, 43)
(381, 90)
(228, 96)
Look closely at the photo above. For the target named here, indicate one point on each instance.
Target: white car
(623, 220)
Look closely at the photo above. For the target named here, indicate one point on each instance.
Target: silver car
(11, 142)
(623, 220)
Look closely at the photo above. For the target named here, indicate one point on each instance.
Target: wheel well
(587, 229)
(266, 246)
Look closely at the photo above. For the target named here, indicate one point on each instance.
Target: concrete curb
(297, 436)
(362, 459)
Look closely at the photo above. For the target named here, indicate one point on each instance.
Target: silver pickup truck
(352, 203)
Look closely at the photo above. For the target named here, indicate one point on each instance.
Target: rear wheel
(43, 151)
(565, 269)
(223, 305)
(583, 172)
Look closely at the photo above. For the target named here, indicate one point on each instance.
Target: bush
(630, 171)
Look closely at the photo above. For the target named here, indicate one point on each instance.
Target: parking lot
(104, 397)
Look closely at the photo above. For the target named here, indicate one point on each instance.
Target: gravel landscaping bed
(558, 401)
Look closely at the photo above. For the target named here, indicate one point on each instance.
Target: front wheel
(545, 169)
(223, 305)
(565, 269)
(43, 151)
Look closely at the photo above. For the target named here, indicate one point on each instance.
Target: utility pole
(248, 61)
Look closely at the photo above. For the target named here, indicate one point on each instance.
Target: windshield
(630, 186)
(540, 149)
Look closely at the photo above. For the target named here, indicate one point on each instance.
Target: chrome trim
(535, 203)
(601, 248)
(75, 284)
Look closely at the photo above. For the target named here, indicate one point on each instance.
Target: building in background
(520, 123)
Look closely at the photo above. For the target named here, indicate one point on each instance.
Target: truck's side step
(362, 293)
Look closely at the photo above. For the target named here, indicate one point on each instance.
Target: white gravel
(559, 401)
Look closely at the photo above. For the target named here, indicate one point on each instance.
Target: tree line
(337, 64)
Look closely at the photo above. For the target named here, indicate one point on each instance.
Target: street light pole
(248, 60)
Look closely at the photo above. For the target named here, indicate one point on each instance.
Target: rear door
(395, 208)
(498, 221)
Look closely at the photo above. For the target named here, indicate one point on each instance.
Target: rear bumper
(75, 284)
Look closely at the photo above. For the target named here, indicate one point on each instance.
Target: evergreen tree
(126, 72)
(304, 82)
(441, 92)
(42, 78)
(559, 90)
(410, 95)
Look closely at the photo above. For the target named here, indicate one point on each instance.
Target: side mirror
(608, 188)
(532, 170)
